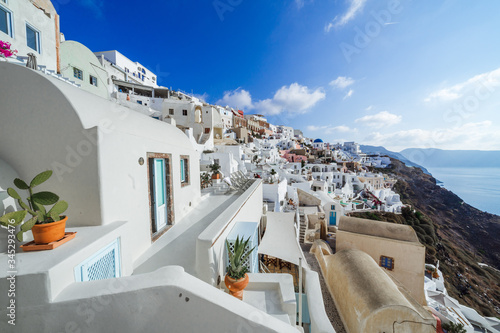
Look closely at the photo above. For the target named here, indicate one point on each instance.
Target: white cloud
(355, 6)
(268, 107)
(478, 86)
(330, 129)
(480, 135)
(349, 94)
(238, 98)
(342, 82)
(298, 99)
(379, 120)
(369, 108)
(294, 98)
(203, 97)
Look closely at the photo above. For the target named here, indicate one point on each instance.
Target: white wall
(95, 153)
(23, 12)
(211, 242)
(165, 300)
(150, 79)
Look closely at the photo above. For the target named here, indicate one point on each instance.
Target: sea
(479, 187)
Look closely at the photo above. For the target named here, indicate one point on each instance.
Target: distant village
(161, 185)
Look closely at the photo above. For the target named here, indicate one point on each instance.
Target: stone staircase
(303, 227)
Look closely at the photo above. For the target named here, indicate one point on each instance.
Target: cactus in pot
(36, 207)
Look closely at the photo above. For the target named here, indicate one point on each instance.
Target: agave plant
(237, 269)
(35, 206)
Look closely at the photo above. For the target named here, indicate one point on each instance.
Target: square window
(171, 111)
(184, 112)
(93, 80)
(33, 38)
(6, 21)
(387, 262)
(77, 73)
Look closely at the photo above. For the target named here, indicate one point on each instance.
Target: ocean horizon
(478, 187)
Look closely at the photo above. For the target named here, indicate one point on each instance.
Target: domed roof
(318, 140)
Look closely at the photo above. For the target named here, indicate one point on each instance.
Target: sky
(399, 73)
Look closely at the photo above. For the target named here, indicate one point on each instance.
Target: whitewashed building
(134, 71)
(149, 253)
(32, 27)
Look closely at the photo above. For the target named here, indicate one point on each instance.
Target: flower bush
(5, 49)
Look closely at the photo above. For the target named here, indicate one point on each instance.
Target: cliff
(455, 233)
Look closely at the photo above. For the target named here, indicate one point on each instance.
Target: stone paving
(330, 308)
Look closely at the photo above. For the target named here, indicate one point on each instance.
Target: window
(184, 112)
(171, 111)
(387, 262)
(93, 80)
(6, 21)
(33, 38)
(333, 207)
(127, 70)
(184, 170)
(207, 130)
(153, 78)
(77, 73)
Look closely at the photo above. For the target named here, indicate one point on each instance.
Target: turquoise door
(160, 193)
(333, 218)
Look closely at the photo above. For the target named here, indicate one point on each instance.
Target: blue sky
(393, 73)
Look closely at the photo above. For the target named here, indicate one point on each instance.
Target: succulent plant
(35, 206)
(237, 269)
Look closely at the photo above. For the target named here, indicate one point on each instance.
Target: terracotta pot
(236, 286)
(49, 232)
(216, 176)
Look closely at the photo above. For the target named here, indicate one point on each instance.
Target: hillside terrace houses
(154, 264)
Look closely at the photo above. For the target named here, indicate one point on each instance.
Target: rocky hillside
(455, 233)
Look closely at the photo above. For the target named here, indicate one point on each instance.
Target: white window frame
(91, 81)
(10, 24)
(38, 40)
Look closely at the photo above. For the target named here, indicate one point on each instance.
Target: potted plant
(47, 225)
(215, 171)
(236, 277)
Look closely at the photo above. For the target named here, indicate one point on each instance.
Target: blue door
(160, 193)
(333, 218)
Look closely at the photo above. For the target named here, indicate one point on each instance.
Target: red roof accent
(240, 112)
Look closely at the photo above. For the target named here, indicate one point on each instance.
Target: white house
(318, 144)
(32, 27)
(286, 131)
(135, 72)
(149, 250)
(80, 64)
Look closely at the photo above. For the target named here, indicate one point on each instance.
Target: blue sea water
(479, 187)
